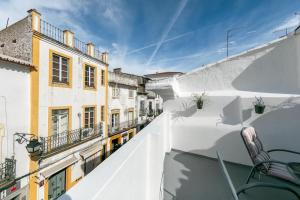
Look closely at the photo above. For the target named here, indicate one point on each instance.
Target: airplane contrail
(154, 44)
(168, 29)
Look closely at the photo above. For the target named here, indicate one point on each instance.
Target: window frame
(115, 112)
(130, 113)
(84, 118)
(86, 87)
(114, 89)
(50, 111)
(70, 69)
(102, 77)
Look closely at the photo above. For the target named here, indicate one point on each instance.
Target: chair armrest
(279, 162)
(267, 185)
(284, 150)
(270, 161)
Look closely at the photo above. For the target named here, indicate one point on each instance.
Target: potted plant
(199, 99)
(259, 105)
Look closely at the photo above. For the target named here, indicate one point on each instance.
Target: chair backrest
(255, 147)
(227, 177)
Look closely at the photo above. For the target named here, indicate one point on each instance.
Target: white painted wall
(134, 172)
(218, 125)
(274, 67)
(15, 90)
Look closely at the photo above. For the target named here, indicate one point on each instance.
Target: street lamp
(33, 145)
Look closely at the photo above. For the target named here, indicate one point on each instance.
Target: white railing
(133, 172)
(160, 84)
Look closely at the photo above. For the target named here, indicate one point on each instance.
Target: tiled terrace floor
(192, 177)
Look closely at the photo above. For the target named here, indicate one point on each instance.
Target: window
(89, 76)
(60, 69)
(89, 117)
(115, 119)
(102, 113)
(102, 77)
(130, 118)
(130, 93)
(115, 92)
(60, 121)
(150, 112)
(150, 106)
(142, 108)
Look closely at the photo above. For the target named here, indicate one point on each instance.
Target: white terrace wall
(274, 68)
(134, 172)
(218, 125)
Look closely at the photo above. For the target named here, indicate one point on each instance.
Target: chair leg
(251, 174)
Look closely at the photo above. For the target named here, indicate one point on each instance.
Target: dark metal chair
(235, 193)
(262, 161)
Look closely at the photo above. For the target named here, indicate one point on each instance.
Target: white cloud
(290, 22)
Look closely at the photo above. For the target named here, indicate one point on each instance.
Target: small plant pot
(199, 105)
(259, 109)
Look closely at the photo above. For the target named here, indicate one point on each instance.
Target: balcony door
(150, 107)
(115, 121)
(130, 118)
(60, 127)
(89, 121)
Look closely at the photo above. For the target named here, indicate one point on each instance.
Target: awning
(57, 167)
(90, 151)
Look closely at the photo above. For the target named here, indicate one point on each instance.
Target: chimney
(91, 49)
(105, 57)
(68, 38)
(35, 19)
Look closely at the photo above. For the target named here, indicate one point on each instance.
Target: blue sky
(145, 36)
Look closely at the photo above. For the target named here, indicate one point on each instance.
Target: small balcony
(123, 126)
(7, 172)
(62, 141)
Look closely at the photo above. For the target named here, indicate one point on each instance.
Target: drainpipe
(80, 129)
(5, 129)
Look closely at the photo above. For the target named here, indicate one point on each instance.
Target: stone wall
(16, 40)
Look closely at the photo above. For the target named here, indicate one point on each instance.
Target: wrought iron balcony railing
(7, 171)
(51, 31)
(80, 46)
(142, 112)
(57, 34)
(57, 142)
(118, 127)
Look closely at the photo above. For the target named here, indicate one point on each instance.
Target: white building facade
(14, 117)
(122, 108)
(66, 99)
